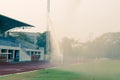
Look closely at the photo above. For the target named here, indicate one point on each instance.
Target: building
(13, 49)
(32, 35)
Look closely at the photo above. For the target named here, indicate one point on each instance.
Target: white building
(13, 49)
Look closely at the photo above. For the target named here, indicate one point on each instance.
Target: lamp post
(48, 32)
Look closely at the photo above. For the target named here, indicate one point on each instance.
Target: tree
(71, 49)
(105, 46)
(41, 40)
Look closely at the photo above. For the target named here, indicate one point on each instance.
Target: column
(7, 54)
(13, 55)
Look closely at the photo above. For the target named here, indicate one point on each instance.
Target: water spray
(52, 46)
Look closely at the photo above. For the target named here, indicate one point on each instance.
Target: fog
(79, 19)
(81, 25)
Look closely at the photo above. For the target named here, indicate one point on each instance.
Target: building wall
(42, 54)
(23, 56)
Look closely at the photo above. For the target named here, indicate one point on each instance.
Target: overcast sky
(80, 19)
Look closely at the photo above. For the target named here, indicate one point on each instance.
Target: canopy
(7, 23)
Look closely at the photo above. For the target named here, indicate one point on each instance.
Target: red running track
(8, 68)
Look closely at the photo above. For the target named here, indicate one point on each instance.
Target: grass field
(101, 70)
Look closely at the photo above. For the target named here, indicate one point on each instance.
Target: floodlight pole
(48, 6)
(48, 32)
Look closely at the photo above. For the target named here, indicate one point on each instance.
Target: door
(16, 56)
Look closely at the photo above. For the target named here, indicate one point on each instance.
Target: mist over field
(104, 47)
(80, 38)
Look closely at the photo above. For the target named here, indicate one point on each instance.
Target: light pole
(48, 32)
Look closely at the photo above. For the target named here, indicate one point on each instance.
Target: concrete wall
(23, 56)
(42, 54)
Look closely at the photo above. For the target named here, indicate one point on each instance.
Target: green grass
(106, 70)
(49, 74)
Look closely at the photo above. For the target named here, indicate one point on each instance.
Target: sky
(79, 19)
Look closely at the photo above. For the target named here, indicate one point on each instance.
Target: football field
(97, 70)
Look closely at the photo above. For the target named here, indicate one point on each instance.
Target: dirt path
(22, 67)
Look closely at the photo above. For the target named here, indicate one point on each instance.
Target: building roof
(7, 23)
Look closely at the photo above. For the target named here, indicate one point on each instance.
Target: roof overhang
(7, 23)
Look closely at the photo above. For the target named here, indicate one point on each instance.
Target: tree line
(104, 46)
